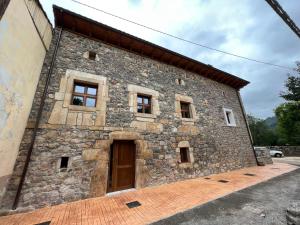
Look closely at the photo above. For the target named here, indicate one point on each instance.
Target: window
(179, 81)
(64, 162)
(92, 55)
(185, 110)
(184, 155)
(229, 117)
(143, 104)
(84, 94)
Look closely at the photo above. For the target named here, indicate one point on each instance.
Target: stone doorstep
(109, 194)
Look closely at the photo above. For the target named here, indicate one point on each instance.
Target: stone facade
(86, 136)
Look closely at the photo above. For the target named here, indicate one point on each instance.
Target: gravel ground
(262, 204)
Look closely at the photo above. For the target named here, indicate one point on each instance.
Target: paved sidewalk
(262, 204)
(156, 202)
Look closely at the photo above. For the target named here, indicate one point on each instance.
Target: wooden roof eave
(109, 35)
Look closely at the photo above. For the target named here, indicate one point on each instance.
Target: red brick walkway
(157, 202)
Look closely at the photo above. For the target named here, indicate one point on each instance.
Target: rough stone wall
(263, 156)
(215, 146)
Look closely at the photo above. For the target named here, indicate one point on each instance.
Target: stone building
(123, 113)
(25, 36)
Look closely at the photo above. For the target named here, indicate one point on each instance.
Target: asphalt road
(262, 204)
(290, 160)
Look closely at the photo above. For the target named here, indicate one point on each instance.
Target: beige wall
(22, 54)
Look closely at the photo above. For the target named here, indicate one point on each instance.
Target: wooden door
(123, 165)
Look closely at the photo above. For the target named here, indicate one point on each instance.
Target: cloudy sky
(249, 28)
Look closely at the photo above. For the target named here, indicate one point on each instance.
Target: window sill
(82, 108)
(145, 115)
(187, 119)
(230, 125)
(185, 165)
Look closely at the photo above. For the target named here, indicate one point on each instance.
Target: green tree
(293, 87)
(262, 134)
(288, 126)
(288, 114)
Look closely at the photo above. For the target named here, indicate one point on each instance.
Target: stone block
(143, 119)
(72, 118)
(87, 119)
(124, 135)
(183, 144)
(63, 84)
(58, 114)
(102, 144)
(154, 127)
(188, 129)
(99, 179)
(59, 96)
(90, 154)
(79, 119)
(142, 174)
(100, 119)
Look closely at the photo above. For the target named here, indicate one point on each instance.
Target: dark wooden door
(123, 165)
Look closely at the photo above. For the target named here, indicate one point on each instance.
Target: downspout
(247, 125)
(37, 122)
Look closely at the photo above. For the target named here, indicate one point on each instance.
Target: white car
(276, 153)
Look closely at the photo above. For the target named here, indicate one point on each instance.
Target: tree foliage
(288, 126)
(288, 114)
(293, 88)
(262, 134)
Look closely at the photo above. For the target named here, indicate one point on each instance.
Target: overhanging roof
(95, 30)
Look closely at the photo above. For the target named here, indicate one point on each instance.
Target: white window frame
(231, 115)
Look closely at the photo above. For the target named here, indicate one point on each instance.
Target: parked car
(276, 153)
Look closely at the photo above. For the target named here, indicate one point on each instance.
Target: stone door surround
(101, 153)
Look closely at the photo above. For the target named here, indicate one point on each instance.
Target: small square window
(229, 117)
(84, 94)
(184, 155)
(143, 104)
(185, 110)
(64, 161)
(92, 55)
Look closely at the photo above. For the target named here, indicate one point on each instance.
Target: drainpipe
(247, 125)
(37, 122)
